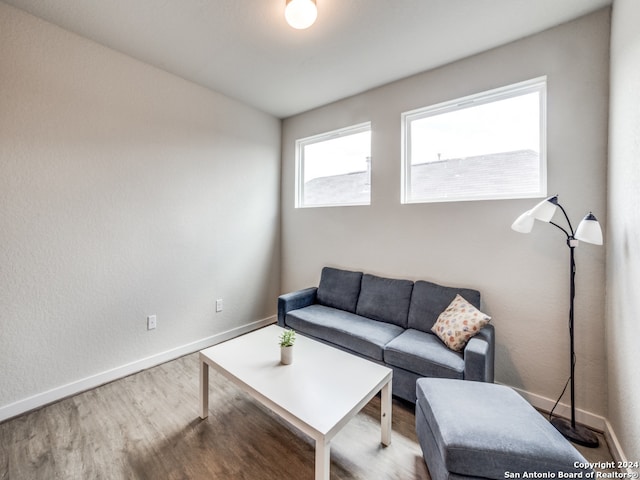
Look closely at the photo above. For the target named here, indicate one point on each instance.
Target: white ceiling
(244, 48)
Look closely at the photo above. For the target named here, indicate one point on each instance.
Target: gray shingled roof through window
(504, 173)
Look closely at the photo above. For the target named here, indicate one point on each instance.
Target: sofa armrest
(479, 356)
(294, 301)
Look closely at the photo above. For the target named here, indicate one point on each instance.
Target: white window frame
(299, 162)
(530, 86)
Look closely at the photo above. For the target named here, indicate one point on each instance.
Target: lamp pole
(573, 357)
(588, 231)
(574, 432)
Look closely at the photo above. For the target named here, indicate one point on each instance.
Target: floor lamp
(588, 231)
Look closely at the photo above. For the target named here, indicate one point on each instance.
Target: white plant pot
(286, 355)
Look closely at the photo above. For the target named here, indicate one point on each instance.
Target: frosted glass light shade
(524, 223)
(301, 14)
(589, 230)
(545, 209)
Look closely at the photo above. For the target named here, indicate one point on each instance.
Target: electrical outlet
(219, 305)
(151, 322)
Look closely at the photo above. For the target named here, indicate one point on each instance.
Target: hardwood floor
(146, 427)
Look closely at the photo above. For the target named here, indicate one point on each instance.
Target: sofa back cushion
(385, 299)
(339, 289)
(429, 300)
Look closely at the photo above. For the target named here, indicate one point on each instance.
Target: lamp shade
(301, 14)
(545, 209)
(524, 223)
(589, 230)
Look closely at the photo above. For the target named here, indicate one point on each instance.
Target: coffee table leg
(323, 459)
(204, 390)
(385, 413)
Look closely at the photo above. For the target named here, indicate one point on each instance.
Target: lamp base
(580, 435)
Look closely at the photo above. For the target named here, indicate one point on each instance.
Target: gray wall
(524, 279)
(124, 192)
(623, 240)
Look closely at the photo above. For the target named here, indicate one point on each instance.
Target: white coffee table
(318, 393)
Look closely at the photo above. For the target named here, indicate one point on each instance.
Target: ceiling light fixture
(301, 14)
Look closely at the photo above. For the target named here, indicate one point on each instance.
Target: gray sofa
(389, 321)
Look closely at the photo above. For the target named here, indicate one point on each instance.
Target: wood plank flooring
(146, 427)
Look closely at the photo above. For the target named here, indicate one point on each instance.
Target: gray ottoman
(470, 430)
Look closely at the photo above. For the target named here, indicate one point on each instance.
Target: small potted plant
(287, 339)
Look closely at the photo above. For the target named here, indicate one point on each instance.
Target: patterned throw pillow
(458, 323)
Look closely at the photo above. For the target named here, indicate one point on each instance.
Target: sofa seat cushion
(348, 330)
(424, 354)
(485, 430)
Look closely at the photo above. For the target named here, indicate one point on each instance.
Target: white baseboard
(615, 448)
(55, 394)
(591, 420)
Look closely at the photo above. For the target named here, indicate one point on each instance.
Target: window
(486, 146)
(334, 168)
